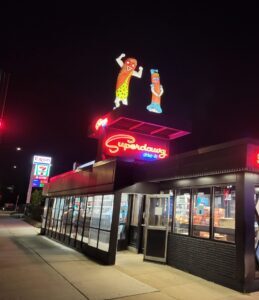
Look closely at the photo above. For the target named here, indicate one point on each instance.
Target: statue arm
(119, 59)
(139, 73)
(161, 90)
(155, 93)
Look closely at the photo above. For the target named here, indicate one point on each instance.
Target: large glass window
(64, 215)
(104, 240)
(256, 224)
(75, 217)
(60, 213)
(224, 213)
(45, 211)
(98, 220)
(86, 219)
(106, 222)
(49, 215)
(107, 209)
(95, 221)
(81, 218)
(69, 216)
(182, 211)
(123, 217)
(201, 213)
(55, 213)
(88, 215)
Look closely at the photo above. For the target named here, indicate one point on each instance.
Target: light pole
(4, 83)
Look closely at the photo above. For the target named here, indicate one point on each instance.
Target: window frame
(212, 207)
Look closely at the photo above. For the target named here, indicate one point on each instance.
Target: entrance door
(130, 229)
(156, 229)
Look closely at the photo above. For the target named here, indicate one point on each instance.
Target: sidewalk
(34, 267)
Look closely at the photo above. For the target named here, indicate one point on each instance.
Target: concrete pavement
(34, 267)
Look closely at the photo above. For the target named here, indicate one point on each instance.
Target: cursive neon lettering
(127, 142)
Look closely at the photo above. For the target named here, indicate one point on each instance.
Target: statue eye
(127, 62)
(133, 65)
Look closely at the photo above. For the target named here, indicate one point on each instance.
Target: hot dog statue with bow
(128, 68)
(157, 91)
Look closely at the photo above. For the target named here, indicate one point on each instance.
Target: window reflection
(201, 213)
(87, 219)
(224, 213)
(182, 212)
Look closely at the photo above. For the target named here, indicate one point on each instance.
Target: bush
(34, 212)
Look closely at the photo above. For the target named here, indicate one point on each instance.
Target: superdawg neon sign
(137, 147)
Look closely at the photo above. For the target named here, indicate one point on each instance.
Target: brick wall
(214, 261)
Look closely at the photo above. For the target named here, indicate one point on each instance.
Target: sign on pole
(39, 173)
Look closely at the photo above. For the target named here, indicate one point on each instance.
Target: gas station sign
(41, 169)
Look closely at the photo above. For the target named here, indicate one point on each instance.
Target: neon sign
(101, 122)
(128, 145)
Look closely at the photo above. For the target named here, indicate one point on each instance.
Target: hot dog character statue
(127, 71)
(157, 91)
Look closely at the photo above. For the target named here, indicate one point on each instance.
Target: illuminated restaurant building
(196, 211)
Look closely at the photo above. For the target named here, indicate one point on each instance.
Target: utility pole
(4, 84)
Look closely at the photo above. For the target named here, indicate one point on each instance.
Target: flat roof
(156, 125)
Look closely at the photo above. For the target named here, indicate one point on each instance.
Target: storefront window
(45, 211)
(93, 237)
(55, 213)
(201, 213)
(81, 218)
(182, 212)
(49, 215)
(69, 215)
(104, 240)
(256, 224)
(60, 213)
(64, 215)
(224, 213)
(95, 221)
(75, 217)
(123, 217)
(96, 212)
(107, 209)
(88, 215)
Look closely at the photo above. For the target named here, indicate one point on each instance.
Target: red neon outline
(131, 145)
(101, 122)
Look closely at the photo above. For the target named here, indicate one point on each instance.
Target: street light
(18, 148)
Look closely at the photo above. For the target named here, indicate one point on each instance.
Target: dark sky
(61, 58)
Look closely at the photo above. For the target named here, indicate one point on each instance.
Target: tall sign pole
(28, 199)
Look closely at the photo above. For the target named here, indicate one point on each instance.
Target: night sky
(61, 59)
